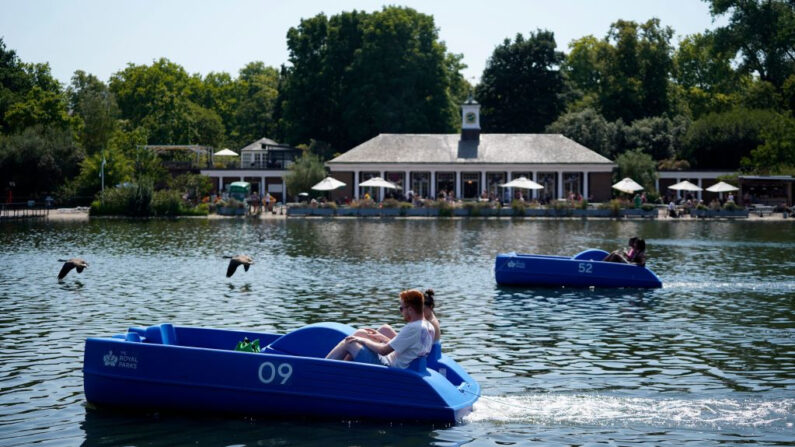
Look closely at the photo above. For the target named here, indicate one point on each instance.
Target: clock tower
(470, 120)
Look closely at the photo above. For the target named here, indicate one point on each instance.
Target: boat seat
(435, 354)
(593, 254)
(133, 336)
(163, 334)
(420, 364)
(436, 351)
(315, 340)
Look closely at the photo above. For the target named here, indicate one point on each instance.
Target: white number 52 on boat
(584, 267)
(268, 372)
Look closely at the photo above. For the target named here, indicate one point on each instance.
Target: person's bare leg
(339, 351)
(387, 331)
(345, 350)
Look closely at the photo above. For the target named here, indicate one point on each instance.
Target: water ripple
(709, 358)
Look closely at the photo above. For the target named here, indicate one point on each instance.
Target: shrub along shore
(140, 201)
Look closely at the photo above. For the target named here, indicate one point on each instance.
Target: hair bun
(428, 298)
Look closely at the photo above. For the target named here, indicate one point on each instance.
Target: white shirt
(414, 340)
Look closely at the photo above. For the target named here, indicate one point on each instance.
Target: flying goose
(71, 263)
(237, 260)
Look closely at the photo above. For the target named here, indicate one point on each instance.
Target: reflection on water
(706, 359)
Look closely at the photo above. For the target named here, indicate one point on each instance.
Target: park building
(465, 165)
(264, 164)
(469, 163)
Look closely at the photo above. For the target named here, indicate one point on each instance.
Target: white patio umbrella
(328, 184)
(684, 185)
(378, 182)
(627, 185)
(522, 183)
(722, 187)
(226, 153)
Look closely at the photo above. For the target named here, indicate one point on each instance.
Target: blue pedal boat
(166, 367)
(584, 269)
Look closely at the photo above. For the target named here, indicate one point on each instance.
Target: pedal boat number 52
(197, 369)
(584, 269)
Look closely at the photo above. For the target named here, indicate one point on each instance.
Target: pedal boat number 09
(168, 367)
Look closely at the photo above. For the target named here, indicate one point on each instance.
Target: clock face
(470, 117)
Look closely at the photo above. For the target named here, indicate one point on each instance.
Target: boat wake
(623, 411)
(777, 286)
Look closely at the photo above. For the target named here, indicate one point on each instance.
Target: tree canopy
(762, 32)
(355, 75)
(720, 99)
(522, 88)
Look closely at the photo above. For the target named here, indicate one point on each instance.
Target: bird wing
(67, 266)
(232, 267)
(246, 266)
(80, 268)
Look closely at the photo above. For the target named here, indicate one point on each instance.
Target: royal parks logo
(110, 359)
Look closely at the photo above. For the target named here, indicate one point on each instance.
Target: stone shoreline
(81, 214)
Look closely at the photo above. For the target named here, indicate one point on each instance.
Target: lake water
(708, 359)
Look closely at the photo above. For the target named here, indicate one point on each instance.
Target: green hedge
(140, 201)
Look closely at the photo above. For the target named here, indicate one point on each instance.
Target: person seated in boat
(639, 257)
(414, 340)
(636, 255)
(430, 316)
(623, 255)
(386, 333)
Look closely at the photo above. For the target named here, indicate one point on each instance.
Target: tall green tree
(14, 81)
(522, 88)
(659, 137)
(584, 67)
(358, 74)
(588, 128)
(721, 140)
(255, 113)
(37, 147)
(637, 68)
(762, 32)
(91, 100)
(777, 154)
(29, 95)
(38, 159)
(41, 101)
(162, 99)
(704, 77)
(699, 63)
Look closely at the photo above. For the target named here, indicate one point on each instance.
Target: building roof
(257, 145)
(492, 148)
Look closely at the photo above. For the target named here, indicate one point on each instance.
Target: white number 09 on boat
(268, 372)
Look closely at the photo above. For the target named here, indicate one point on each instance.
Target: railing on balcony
(275, 164)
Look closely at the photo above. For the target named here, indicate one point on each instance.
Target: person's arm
(377, 347)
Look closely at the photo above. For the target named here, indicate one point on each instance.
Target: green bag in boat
(248, 346)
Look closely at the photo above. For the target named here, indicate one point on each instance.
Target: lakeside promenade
(81, 213)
